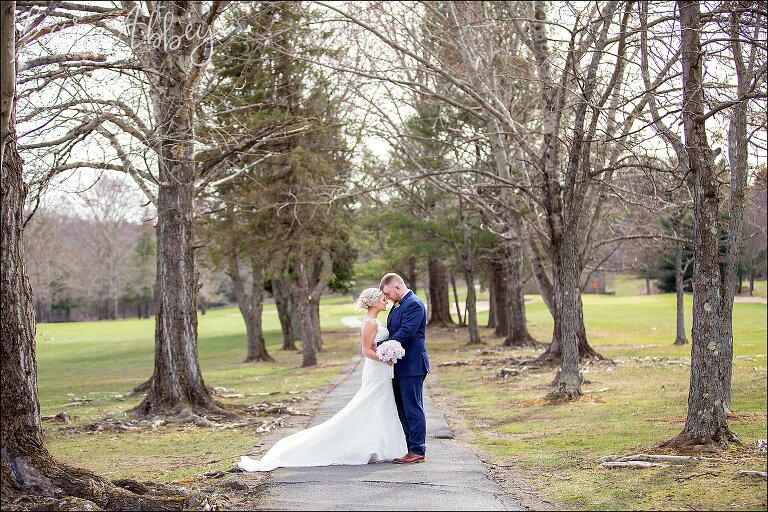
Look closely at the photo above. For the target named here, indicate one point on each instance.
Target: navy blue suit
(407, 323)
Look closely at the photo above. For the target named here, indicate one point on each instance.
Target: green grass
(625, 285)
(644, 405)
(104, 360)
(760, 289)
(554, 446)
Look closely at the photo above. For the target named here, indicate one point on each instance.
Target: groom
(407, 323)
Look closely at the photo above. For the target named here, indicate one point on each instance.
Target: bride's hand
(390, 363)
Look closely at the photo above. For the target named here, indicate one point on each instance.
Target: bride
(366, 430)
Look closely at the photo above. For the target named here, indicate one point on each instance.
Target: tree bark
(303, 308)
(706, 421)
(439, 311)
(314, 315)
(492, 322)
(26, 465)
(412, 284)
(251, 307)
(322, 271)
(501, 294)
(681, 338)
(517, 335)
(568, 381)
(177, 383)
(471, 307)
(456, 299)
(22, 432)
(738, 146)
(286, 312)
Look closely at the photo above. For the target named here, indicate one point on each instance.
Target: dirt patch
(746, 416)
(259, 418)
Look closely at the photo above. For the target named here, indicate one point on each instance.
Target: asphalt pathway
(452, 478)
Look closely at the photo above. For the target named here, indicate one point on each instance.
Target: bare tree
(713, 289)
(27, 466)
(109, 204)
(150, 135)
(562, 185)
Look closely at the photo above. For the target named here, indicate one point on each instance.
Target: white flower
(390, 350)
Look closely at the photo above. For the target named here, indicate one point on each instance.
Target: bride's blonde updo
(368, 297)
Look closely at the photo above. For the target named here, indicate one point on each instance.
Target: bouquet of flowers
(390, 350)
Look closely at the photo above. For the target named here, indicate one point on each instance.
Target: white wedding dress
(366, 430)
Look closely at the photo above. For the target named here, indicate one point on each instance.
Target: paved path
(452, 478)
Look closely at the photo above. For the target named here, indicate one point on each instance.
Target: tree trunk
(177, 383)
(456, 299)
(286, 312)
(471, 307)
(257, 347)
(517, 335)
(26, 465)
(681, 338)
(321, 276)
(22, 433)
(412, 274)
(305, 315)
(492, 322)
(706, 421)
(439, 311)
(251, 306)
(738, 146)
(568, 381)
(501, 290)
(314, 310)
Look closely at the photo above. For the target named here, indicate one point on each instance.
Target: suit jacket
(407, 323)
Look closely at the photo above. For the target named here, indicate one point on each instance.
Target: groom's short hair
(389, 279)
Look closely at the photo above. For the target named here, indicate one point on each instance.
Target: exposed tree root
(261, 417)
(264, 357)
(550, 359)
(565, 389)
(41, 483)
(685, 439)
(441, 324)
(648, 457)
(681, 341)
(143, 387)
(524, 342)
(181, 413)
(560, 395)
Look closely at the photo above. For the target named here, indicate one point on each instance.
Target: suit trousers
(410, 408)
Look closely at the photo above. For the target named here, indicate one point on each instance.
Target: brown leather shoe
(409, 458)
